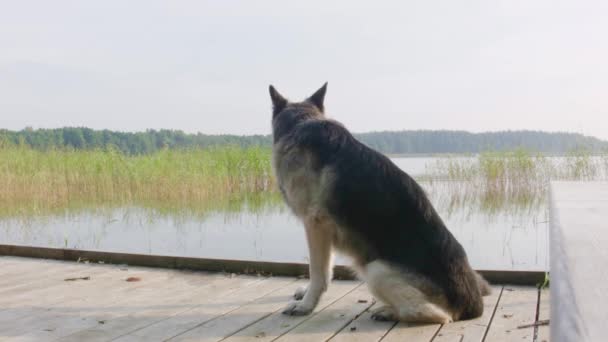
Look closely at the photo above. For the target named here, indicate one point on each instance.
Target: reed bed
(512, 180)
(33, 182)
(231, 179)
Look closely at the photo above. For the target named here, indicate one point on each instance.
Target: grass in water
(517, 180)
(232, 179)
(198, 180)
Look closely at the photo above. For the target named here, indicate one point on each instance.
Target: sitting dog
(354, 200)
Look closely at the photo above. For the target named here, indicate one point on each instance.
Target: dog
(353, 200)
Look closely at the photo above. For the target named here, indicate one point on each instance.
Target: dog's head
(287, 115)
(310, 108)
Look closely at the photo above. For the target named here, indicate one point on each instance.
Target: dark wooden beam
(230, 266)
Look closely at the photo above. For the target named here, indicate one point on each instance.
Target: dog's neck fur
(294, 113)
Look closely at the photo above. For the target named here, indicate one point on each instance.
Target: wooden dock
(44, 300)
(579, 258)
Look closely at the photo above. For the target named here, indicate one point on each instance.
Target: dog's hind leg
(319, 240)
(404, 300)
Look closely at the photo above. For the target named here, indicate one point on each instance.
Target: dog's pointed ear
(318, 97)
(278, 101)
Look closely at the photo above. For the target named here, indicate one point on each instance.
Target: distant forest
(390, 142)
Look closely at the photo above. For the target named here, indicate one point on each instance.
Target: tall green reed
(33, 181)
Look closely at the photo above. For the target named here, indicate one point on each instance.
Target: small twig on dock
(77, 278)
(535, 324)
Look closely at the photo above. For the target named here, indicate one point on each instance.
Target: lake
(497, 237)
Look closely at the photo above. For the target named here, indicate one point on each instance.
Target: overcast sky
(205, 66)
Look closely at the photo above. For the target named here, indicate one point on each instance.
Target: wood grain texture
(201, 306)
(579, 240)
(517, 306)
(278, 324)
(332, 318)
(364, 328)
(544, 311)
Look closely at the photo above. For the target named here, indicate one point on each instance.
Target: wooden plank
(578, 240)
(517, 306)
(52, 322)
(219, 317)
(105, 287)
(191, 306)
(236, 266)
(7, 261)
(15, 269)
(12, 282)
(331, 319)
(56, 286)
(364, 328)
(411, 332)
(221, 326)
(277, 324)
(544, 310)
(51, 283)
(29, 303)
(25, 272)
(77, 319)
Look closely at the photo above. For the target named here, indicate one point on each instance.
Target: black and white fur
(354, 200)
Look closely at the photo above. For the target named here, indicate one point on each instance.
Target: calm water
(505, 238)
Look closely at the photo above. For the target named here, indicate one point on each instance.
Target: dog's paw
(297, 309)
(384, 313)
(300, 292)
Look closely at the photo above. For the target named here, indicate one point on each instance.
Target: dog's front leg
(319, 247)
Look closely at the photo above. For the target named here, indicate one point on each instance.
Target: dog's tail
(483, 285)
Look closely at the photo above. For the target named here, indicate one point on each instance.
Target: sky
(205, 66)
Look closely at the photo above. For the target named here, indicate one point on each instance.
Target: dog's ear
(318, 97)
(278, 101)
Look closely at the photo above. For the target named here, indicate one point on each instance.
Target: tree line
(391, 142)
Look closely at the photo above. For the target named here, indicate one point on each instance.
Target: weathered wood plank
(472, 330)
(67, 319)
(222, 326)
(412, 332)
(38, 278)
(106, 287)
(364, 328)
(191, 305)
(517, 306)
(545, 309)
(28, 303)
(278, 324)
(56, 286)
(18, 272)
(331, 319)
(578, 240)
(212, 307)
(133, 312)
(220, 317)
